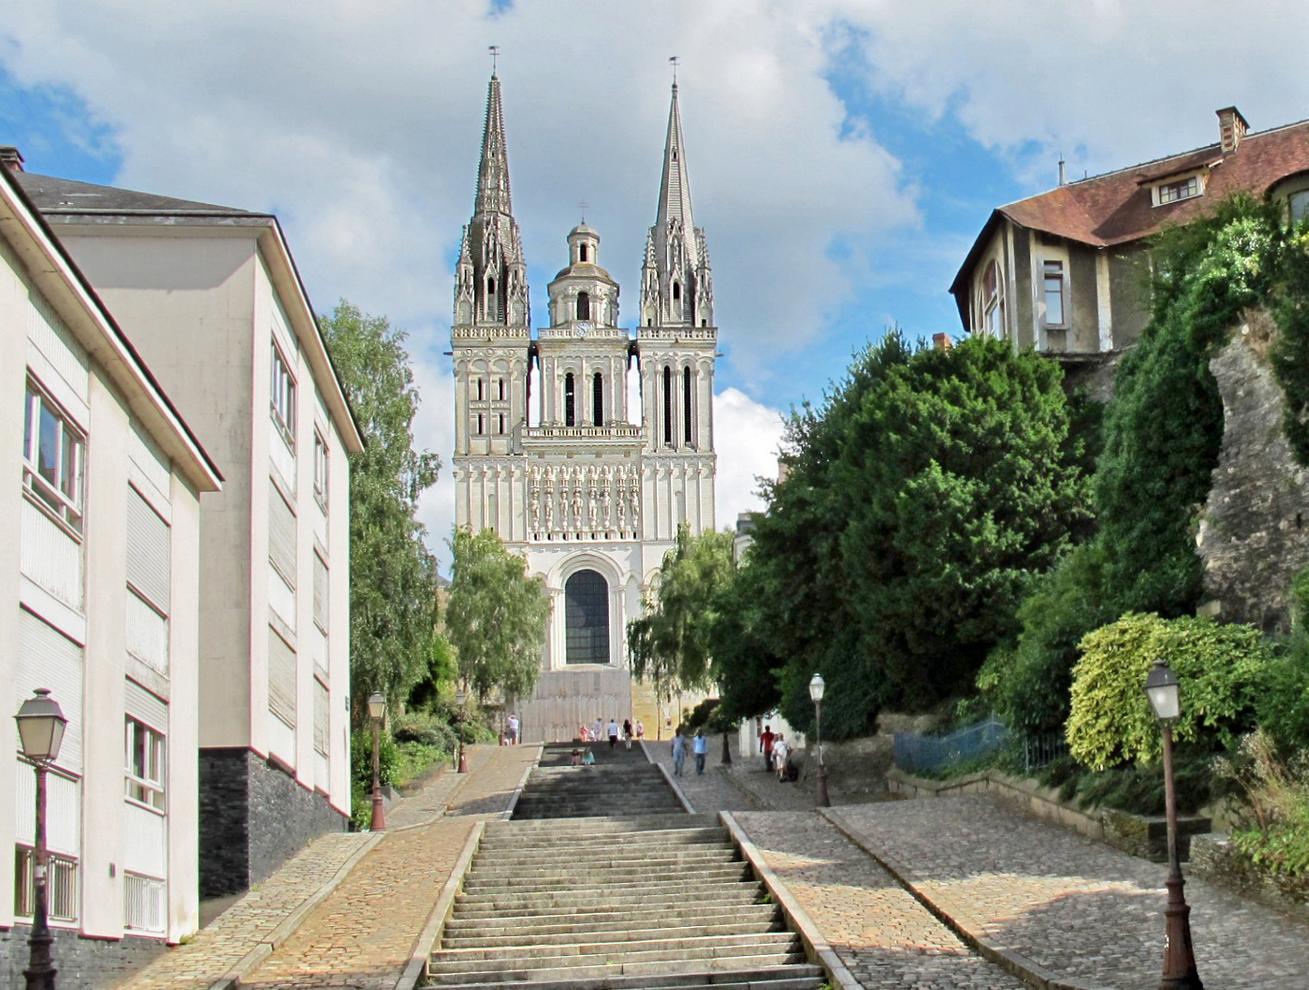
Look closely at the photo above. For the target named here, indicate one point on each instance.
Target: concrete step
(589, 875)
(543, 834)
(659, 962)
(483, 904)
(607, 825)
(631, 886)
(503, 864)
(616, 918)
(675, 929)
(646, 893)
(802, 977)
(655, 947)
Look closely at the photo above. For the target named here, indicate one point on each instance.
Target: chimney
(11, 158)
(1231, 128)
(1062, 179)
(942, 341)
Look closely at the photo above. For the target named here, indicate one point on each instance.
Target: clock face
(583, 327)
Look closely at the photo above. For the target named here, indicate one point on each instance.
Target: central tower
(589, 491)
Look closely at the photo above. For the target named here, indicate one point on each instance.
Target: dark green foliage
(1291, 354)
(393, 578)
(1140, 788)
(701, 716)
(425, 728)
(1026, 683)
(743, 659)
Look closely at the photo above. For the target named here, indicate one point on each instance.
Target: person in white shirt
(597, 730)
(613, 733)
(780, 752)
(513, 730)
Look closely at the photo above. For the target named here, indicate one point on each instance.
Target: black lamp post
(377, 711)
(816, 688)
(461, 713)
(1162, 689)
(41, 726)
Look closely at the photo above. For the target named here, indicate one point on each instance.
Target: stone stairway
(623, 783)
(624, 901)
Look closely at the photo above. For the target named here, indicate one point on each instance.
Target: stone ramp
(563, 898)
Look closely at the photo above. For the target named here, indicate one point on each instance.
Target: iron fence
(916, 753)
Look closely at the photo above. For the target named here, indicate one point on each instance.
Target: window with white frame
(144, 764)
(1298, 202)
(320, 469)
(1053, 286)
(320, 592)
(1172, 192)
(992, 302)
(61, 884)
(283, 397)
(54, 451)
(144, 901)
(322, 708)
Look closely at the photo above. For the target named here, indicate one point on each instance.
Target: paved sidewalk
(364, 933)
(1081, 910)
(743, 786)
(884, 937)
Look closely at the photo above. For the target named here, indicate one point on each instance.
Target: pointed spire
(493, 174)
(675, 188)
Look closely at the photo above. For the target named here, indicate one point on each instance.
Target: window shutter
(48, 659)
(146, 707)
(281, 535)
(321, 709)
(320, 592)
(148, 551)
(281, 678)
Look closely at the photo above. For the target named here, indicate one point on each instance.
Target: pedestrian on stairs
(627, 732)
(700, 746)
(679, 752)
(513, 729)
(613, 732)
(640, 730)
(597, 730)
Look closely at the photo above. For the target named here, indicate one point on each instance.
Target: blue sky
(843, 153)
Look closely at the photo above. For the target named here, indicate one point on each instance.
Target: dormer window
(1176, 190)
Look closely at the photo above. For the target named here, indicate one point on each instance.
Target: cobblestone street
(1077, 908)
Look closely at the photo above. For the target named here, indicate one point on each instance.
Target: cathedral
(586, 444)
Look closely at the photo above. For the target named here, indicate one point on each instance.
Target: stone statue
(549, 508)
(634, 504)
(621, 507)
(604, 508)
(534, 507)
(577, 508)
(592, 508)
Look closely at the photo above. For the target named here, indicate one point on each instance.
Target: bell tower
(490, 339)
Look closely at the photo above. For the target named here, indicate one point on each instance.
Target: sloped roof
(1117, 207)
(53, 195)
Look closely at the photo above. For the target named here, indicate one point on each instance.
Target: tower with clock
(549, 453)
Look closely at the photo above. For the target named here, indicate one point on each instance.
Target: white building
(212, 300)
(548, 452)
(101, 559)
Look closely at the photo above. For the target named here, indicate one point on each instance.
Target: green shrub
(361, 758)
(1275, 832)
(1291, 351)
(1283, 708)
(1222, 670)
(700, 716)
(426, 728)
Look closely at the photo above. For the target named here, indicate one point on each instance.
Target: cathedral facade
(554, 450)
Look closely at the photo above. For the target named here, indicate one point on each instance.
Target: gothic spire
(493, 175)
(675, 188)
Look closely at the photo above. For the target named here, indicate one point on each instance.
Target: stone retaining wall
(1215, 858)
(83, 963)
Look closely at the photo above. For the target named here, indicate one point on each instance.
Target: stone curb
(440, 911)
(242, 968)
(668, 777)
(1027, 970)
(818, 947)
(522, 782)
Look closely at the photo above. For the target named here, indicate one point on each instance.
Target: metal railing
(914, 752)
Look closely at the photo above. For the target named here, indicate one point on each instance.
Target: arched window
(686, 403)
(570, 417)
(586, 618)
(479, 389)
(583, 306)
(500, 385)
(668, 405)
(598, 399)
(581, 252)
(677, 292)
(490, 286)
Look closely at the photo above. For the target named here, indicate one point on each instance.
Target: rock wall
(1254, 532)
(82, 963)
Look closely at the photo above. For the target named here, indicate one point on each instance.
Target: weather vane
(673, 60)
(495, 55)
(581, 206)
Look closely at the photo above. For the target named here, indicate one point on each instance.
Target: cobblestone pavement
(885, 938)
(1076, 907)
(216, 949)
(363, 934)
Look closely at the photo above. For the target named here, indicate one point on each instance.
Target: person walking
(640, 731)
(679, 752)
(700, 746)
(627, 732)
(613, 732)
(766, 744)
(513, 729)
(597, 730)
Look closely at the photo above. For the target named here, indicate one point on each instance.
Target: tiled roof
(53, 195)
(1117, 207)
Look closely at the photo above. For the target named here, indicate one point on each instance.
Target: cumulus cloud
(749, 436)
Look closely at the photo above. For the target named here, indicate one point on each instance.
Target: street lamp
(816, 688)
(377, 711)
(461, 699)
(1162, 689)
(41, 727)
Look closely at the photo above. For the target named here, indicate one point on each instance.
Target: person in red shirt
(766, 741)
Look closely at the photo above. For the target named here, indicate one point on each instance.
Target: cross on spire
(582, 208)
(673, 60)
(495, 57)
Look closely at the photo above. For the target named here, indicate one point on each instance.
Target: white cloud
(748, 437)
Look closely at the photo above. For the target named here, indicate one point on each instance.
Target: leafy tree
(744, 660)
(393, 578)
(671, 645)
(1223, 670)
(497, 615)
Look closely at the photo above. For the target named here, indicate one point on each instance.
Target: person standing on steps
(640, 731)
(679, 752)
(613, 732)
(627, 732)
(700, 746)
(513, 730)
(766, 744)
(597, 730)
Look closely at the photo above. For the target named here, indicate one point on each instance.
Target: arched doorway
(586, 618)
